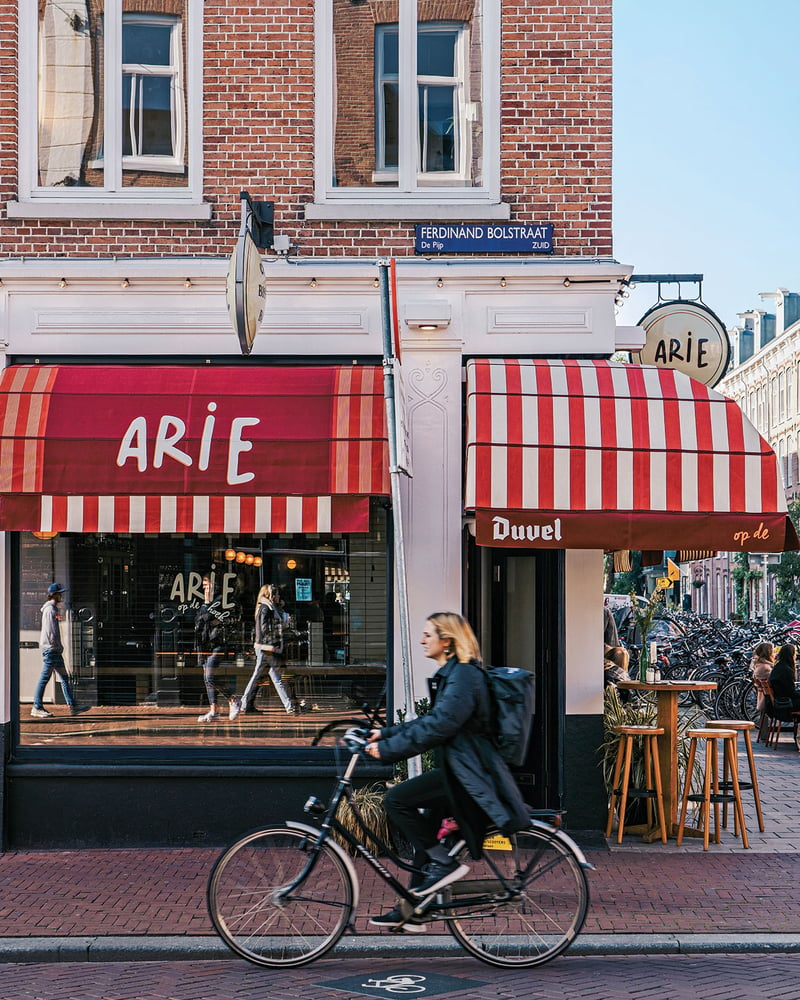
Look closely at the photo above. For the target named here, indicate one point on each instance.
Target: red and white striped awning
(182, 449)
(595, 454)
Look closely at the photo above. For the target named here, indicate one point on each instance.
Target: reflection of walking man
(211, 642)
(52, 654)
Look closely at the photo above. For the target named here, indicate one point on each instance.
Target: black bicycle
(284, 895)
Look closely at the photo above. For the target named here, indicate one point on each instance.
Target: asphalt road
(676, 977)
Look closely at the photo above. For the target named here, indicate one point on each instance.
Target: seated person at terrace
(784, 675)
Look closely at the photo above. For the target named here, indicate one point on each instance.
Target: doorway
(516, 600)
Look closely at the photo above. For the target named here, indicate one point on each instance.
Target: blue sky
(707, 148)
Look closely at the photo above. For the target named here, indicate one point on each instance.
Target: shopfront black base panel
(584, 795)
(54, 808)
(5, 736)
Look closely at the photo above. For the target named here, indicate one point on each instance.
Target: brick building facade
(165, 478)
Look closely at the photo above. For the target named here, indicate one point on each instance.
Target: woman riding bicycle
(470, 781)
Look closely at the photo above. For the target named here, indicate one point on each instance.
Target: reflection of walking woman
(270, 619)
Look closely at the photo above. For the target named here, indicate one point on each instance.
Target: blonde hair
(457, 630)
(271, 592)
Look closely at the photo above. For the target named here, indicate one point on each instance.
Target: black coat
(480, 786)
(782, 680)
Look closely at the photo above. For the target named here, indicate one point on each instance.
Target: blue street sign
(483, 237)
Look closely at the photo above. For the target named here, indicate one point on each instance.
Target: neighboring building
(164, 478)
(764, 379)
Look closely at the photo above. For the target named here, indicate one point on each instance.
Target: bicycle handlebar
(356, 739)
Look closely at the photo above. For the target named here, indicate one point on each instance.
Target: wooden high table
(667, 693)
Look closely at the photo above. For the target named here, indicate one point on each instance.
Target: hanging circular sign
(687, 336)
(245, 290)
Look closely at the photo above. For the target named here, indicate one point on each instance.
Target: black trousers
(403, 802)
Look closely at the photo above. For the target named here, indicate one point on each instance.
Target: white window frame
(438, 200)
(460, 86)
(113, 200)
(174, 71)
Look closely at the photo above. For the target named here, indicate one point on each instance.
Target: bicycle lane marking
(402, 982)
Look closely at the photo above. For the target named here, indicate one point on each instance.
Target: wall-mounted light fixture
(439, 283)
(187, 283)
(313, 283)
(62, 283)
(427, 316)
(503, 282)
(377, 282)
(125, 283)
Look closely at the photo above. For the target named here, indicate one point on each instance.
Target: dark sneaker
(394, 918)
(79, 709)
(438, 875)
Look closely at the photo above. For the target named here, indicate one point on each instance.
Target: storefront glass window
(156, 626)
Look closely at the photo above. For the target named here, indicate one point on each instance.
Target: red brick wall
(258, 134)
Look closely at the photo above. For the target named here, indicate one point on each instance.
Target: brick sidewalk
(636, 889)
(162, 892)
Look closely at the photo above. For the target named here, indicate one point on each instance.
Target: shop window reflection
(130, 641)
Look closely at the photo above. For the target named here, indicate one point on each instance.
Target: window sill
(165, 211)
(408, 211)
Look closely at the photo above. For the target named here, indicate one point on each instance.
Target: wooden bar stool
(712, 794)
(620, 793)
(743, 726)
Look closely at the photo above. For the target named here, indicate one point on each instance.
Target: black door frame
(542, 775)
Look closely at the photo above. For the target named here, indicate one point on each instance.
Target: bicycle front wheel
(261, 921)
(541, 921)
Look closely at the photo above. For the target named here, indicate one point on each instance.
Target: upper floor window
(409, 106)
(153, 105)
(110, 106)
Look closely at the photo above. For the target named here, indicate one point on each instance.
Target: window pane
(157, 629)
(390, 125)
(390, 54)
(148, 130)
(437, 128)
(436, 53)
(70, 95)
(148, 44)
(365, 76)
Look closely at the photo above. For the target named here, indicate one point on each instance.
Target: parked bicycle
(284, 895)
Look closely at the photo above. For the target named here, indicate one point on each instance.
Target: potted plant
(643, 615)
(641, 712)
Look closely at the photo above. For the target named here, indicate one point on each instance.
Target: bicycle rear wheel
(540, 922)
(261, 925)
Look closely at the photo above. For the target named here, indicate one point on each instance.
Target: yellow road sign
(663, 583)
(673, 570)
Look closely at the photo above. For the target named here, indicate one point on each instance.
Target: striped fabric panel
(359, 452)
(200, 514)
(24, 403)
(602, 436)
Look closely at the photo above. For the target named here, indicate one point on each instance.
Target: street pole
(401, 577)
(768, 435)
